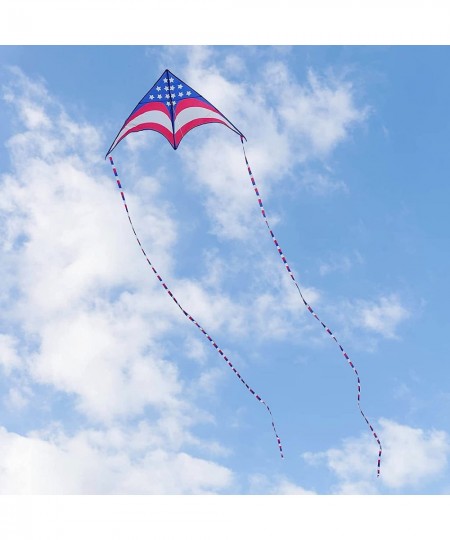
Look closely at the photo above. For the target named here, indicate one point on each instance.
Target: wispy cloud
(382, 316)
(279, 485)
(412, 459)
(103, 462)
(378, 318)
(321, 112)
(9, 357)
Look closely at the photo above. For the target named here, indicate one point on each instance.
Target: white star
(171, 79)
(168, 103)
(167, 96)
(172, 87)
(180, 86)
(166, 88)
(151, 97)
(158, 88)
(165, 80)
(159, 96)
(188, 93)
(180, 94)
(173, 95)
(174, 102)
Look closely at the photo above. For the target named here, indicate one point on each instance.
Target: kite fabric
(173, 108)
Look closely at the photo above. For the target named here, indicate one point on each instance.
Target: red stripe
(193, 124)
(157, 106)
(149, 125)
(193, 102)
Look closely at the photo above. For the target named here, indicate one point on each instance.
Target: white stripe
(196, 113)
(156, 117)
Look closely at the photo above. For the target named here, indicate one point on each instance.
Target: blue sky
(107, 388)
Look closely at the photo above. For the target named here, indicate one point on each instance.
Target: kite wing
(171, 108)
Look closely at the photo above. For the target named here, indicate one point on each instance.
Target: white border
(222, 517)
(240, 22)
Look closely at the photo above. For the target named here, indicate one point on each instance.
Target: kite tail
(309, 308)
(186, 314)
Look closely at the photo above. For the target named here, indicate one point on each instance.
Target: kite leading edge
(173, 108)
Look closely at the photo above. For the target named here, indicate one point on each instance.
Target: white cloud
(379, 318)
(34, 117)
(196, 349)
(9, 358)
(415, 455)
(323, 112)
(411, 459)
(97, 462)
(207, 382)
(102, 359)
(228, 200)
(278, 485)
(285, 487)
(382, 316)
(17, 398)
(268, 308)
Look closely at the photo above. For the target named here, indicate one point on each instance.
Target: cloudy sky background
(107, 389)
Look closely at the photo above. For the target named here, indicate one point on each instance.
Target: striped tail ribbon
(186, 314)
(310, 309)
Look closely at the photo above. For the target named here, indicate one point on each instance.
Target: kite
(172, 108)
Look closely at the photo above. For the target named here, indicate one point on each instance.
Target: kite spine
(186, 314)
(310, 309)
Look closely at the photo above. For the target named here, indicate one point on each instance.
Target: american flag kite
(173, 108)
